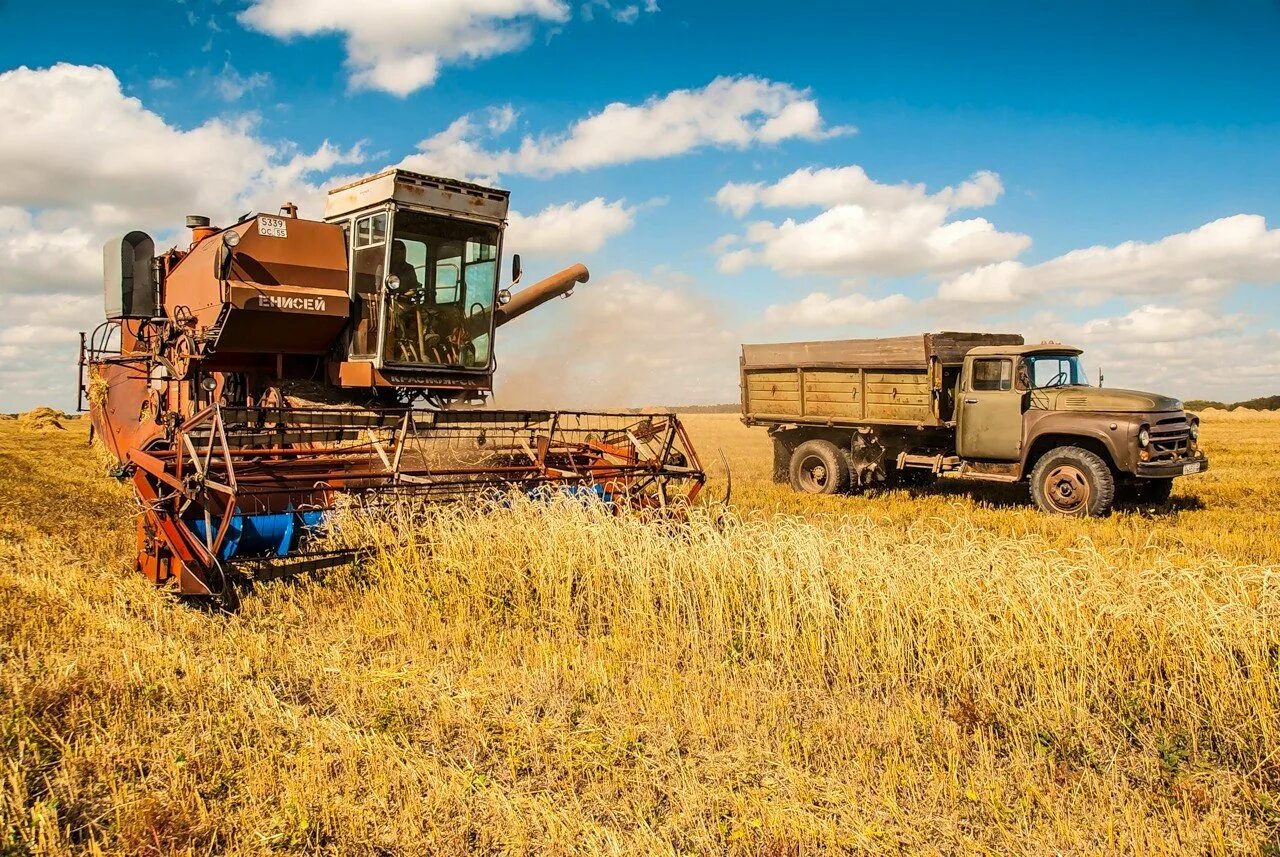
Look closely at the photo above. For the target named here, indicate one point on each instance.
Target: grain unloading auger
(247, 383)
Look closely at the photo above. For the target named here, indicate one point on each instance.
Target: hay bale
(42, 419)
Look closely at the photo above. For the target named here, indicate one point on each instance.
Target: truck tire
(818, 467)
(1072, 481)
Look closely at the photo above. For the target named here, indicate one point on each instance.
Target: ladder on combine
(240, 484)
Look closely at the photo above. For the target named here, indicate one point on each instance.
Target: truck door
(989, 425)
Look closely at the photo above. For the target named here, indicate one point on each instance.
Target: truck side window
(992, 374)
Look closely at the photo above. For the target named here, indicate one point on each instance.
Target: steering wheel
(1058, 380)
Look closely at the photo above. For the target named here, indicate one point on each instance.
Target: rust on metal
(249, 381)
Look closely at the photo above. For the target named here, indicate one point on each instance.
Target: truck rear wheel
(818, 467)
(1072, 481)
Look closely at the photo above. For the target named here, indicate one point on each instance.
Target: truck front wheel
(818, 467)
(1072, 481)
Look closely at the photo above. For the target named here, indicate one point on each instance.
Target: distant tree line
(1263, 403)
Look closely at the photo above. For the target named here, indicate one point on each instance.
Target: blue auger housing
(269, 534)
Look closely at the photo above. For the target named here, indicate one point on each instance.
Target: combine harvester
(246, 382)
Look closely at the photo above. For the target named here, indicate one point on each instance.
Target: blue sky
(1079, 129)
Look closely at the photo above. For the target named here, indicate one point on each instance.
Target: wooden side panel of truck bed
(888, 381)
(859, 395)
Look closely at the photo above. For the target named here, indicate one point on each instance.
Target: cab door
(369, 259)
(989, 425)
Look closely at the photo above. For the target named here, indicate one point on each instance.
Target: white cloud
(868, 229)
(1178, 351)
(1150, 323)
(399, 46)
(72, 140)
(501, 119)
(728, 112)
(627, 13)
(852, 186)
(821, 310)
(231, 85)
(1202, 262)
(563, 230)
(83, 161)
(622, 340)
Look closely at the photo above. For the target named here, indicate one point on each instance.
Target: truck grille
(1171, 439)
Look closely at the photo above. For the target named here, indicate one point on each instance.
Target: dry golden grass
(946, 672)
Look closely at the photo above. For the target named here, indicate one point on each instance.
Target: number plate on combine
(1188, 469)
(273, 227)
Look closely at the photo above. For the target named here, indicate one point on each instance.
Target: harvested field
(941, 671)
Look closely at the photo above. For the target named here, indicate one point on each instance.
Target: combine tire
(1072, 481)
(818, 467)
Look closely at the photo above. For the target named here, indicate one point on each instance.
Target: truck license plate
(1188, 469)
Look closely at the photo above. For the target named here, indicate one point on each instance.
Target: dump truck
(847, 414)
(248, 381)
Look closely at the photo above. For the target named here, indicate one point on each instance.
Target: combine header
(246, 382)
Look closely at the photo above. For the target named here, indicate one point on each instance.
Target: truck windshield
(440, 312)
(1054, 370)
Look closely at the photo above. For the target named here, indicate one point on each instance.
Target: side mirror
(515, 268)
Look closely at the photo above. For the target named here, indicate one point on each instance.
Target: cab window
(441, 311)
(992, 374)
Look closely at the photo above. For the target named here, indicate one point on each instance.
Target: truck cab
(1032, 407)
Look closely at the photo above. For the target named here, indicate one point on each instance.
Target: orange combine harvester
(247, 381)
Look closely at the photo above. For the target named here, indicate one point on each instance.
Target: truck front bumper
(1197, 463)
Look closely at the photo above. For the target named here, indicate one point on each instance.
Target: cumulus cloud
(867, 228)
(732, 112)
(1202, 262)
(401, 45)
(1181, 351)
(83, 161)
(824, 188)
(1150, 323)
(560, 230)
(821, 310)
(623, 340)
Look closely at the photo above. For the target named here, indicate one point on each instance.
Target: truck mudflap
(1199, 463)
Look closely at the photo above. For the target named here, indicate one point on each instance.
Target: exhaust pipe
(541, 292)
(200, 228)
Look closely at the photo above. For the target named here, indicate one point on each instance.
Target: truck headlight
(1194, 431)
(1144, 437)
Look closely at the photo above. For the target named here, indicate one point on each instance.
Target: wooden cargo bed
(903, 380)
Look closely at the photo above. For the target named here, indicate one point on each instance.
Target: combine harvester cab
(247, 382)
